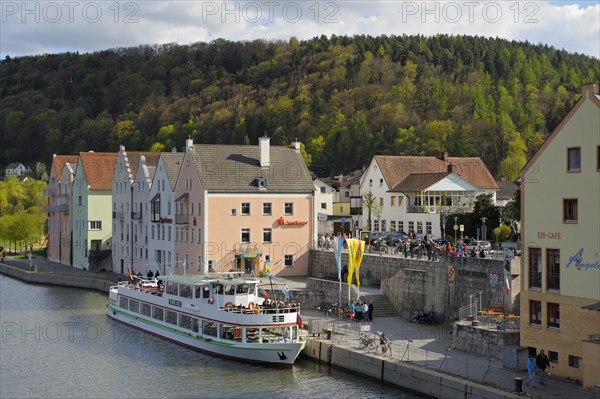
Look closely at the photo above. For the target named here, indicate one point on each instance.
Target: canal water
(58, 343)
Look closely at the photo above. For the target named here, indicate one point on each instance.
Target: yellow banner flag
(356, 249)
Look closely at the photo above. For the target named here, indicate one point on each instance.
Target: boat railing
(260, 310)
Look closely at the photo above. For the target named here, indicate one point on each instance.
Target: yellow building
(560, 208)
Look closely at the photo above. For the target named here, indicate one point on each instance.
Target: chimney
(450, 167)
(445, 156)
(297, 145)
(264, 151)
(173, 149)
(590, 89)
(189, 144)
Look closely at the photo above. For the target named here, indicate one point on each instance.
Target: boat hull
(277, 353)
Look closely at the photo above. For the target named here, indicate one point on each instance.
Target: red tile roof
(59, 162)
(98, 168)
(396, 168)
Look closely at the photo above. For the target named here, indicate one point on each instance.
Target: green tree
(371, 205)
(510, 214)
(516, 158)
(501, 233)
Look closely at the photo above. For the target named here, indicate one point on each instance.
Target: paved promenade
(430, 347)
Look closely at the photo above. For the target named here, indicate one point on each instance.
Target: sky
(44, 27)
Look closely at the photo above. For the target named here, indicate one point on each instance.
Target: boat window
(209, 328)
(194, 324)
(185, 321)
(171, 288)
(157, 313)
(242, 289)
(171, 317)
(205, 292)
(230, 289)
(219, 288)
(124, 303)
(232, 333)
(145, 309)
(185, 291)
(251, 288)
(252, 335)
(134, 306)
(276, 334)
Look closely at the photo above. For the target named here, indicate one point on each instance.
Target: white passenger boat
(222, 315)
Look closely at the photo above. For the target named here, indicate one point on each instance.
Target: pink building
(59, 208)
(243, 207)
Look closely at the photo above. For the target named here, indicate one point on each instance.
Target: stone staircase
(382, 306)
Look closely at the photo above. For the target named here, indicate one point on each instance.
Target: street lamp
(483, 230)
(455, 228)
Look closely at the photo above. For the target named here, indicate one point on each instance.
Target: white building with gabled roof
(411, 192)
(161, 225)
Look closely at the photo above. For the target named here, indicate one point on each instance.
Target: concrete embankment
(423, 381)
(79, 279)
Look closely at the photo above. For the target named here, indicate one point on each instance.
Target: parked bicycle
(367, 341)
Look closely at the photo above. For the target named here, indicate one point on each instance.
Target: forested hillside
(345, 98)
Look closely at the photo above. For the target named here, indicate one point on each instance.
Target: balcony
(438, 209)
(136, 215)
(181, 218)
(118, 215)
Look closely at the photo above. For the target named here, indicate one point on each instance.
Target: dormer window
(261, 183)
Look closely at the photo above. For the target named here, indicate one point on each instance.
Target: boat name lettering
(174, 302)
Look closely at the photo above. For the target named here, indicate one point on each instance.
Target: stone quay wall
(416, 379)
(483, 341)
(74, 278)
(443, 286)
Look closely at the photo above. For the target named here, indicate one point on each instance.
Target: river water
(58, 343)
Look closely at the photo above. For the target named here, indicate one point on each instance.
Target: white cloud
(47, 26)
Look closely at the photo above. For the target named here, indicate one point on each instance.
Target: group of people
(540, 362)
(420, 316)
(462, 250)
(361, 311)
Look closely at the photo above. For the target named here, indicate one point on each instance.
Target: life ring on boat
(229, 305)
(256, 310)
(250, 305)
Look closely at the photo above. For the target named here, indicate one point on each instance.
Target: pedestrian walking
(531, 371)
(370, 310)
(365, 309)
(542, 362)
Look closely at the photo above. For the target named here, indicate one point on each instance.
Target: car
(395, 237)
(478, 244)
(515, 246)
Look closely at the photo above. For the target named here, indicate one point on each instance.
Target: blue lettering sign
(580, 264)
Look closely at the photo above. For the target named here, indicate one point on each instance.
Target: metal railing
(468, 310)
(438, 209)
